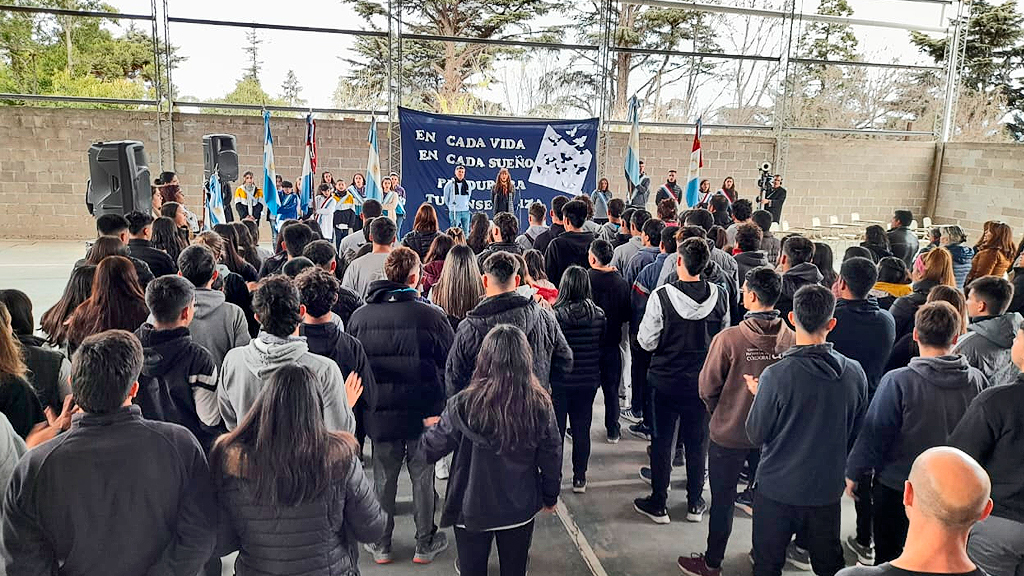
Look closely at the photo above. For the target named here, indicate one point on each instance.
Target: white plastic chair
(774, 227)
(815, 222)
(785, 226)
(913, 224)
(855, 217)
(927, 222)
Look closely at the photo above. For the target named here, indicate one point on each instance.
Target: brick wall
(47, 164)
(982, 182)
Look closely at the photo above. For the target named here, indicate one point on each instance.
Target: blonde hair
(213, 241)
(11, 361)
(460, 287)
(938, 267)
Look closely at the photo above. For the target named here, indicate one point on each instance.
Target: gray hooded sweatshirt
(218, 326)
(986, 346)
(246, 370)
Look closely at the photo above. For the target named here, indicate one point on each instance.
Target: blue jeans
(459, 219)
(399, 220)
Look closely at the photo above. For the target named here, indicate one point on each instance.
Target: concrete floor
(596, 533)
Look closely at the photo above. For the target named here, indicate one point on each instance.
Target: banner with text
(544, 157)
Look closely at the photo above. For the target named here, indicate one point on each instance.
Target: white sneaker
(441, 469)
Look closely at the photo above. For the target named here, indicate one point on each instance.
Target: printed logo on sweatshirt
(758, 355)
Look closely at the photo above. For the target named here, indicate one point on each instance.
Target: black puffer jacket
(583, 325)
(316, 538)
(407, 342)
(495, 247)
(420, 241)
(551, 353)
(45, 366)
(792, 280)
(488, 489)
(905, 307)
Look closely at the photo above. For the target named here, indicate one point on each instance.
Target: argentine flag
(632, 164)
(214, 202)
(693, 172)
(307, 195)
(373, 188)
(269, 170)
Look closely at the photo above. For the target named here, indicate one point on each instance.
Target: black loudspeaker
(220, 151)
(119, 180)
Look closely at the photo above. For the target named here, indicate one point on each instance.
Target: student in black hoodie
(179, 377)
(556, 229)
(324, 256)
(864, 333)
(750, 256)
(807, 411)
(112, 457)
(797, 272)
(677, 327)
(611, 293)
(140, 231)
(508, 456)
(992, 431)
(583, 324)
(318, 291)
(407, 341)
(570, 247)
(914, 408)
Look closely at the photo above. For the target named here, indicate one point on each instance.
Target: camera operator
(773, 198)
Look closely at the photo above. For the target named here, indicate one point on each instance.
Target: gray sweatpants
(997, 546)
(387, 463)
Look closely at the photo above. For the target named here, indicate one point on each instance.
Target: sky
(215, 56)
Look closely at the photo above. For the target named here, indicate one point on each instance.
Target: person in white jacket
(325, 205)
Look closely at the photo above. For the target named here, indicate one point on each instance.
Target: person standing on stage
(729, 189)
(670, 189)
(325, 204)
(704, 193)
(601, 197)
(502, 193)
(400, 191)
(456, 198)
(249, 198)
(638, 194)
(775, 198)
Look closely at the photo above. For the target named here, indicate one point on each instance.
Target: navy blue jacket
(914, 409)
(865, 333)
(806, 414)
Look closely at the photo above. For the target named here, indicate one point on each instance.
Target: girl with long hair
(508, 456)
(824, 260)
(502, 193)
(877, 241)
(424, 231)
(18, 399)
(479, 232)
(460, 287)
(434, 261)
(249, 198)
(600, 197)
(247, 248)
(282, 473)
(167, 237)
(105, 246)
(174, 193)
(995, 253)
(54, 322)
(358, 189)
(933, 268)
(583, 323)
(893, 281)
(537, 278)
(115, 303)
(729, 189)
(231, 256)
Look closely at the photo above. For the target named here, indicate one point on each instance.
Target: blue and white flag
(693, 171)
(306, 192)
(373, 187)
(632, 164)
(214, 202)
(269, 170)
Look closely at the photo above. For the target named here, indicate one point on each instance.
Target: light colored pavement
(595, 533)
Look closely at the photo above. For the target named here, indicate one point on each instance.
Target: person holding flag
(214, 202)
(693, 188)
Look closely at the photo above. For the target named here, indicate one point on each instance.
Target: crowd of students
(207, 397)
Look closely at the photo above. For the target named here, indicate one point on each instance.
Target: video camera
(764, 183)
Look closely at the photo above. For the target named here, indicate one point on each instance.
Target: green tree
(291, 89)
(993, 57)
(252, 48)
(829, 40)
(247, 91)
(443, 75)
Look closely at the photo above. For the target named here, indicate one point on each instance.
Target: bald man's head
(948, 487)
